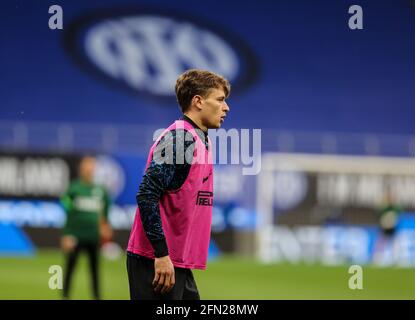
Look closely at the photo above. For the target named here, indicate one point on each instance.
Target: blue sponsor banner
(214, 251)
(50, 214)
(14, 242)
(368, 245)
(41, 214)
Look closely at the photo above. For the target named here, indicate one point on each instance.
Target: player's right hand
(68, 243)
(164, 279)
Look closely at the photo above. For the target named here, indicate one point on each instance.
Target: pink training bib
(186, 213)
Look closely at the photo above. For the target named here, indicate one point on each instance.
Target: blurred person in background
(86, 205)
(171, 230)
(389, 213)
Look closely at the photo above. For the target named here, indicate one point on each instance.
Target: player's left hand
(164, 278)
(106, 232)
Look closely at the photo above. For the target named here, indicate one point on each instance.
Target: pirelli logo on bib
(204, 198)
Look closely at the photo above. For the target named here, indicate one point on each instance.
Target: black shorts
(141, 275)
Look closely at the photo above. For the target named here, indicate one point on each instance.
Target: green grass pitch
(227, 277)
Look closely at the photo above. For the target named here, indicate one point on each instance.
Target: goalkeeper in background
(86, 206)
(389, 214)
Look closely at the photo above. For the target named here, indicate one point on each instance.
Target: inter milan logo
(145, 50)
(204, 198)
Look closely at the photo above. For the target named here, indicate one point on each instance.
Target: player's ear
(197, 101)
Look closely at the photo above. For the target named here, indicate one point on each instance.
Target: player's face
(87, 168)
(214, 109)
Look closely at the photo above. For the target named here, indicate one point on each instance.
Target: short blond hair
(198, 82)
